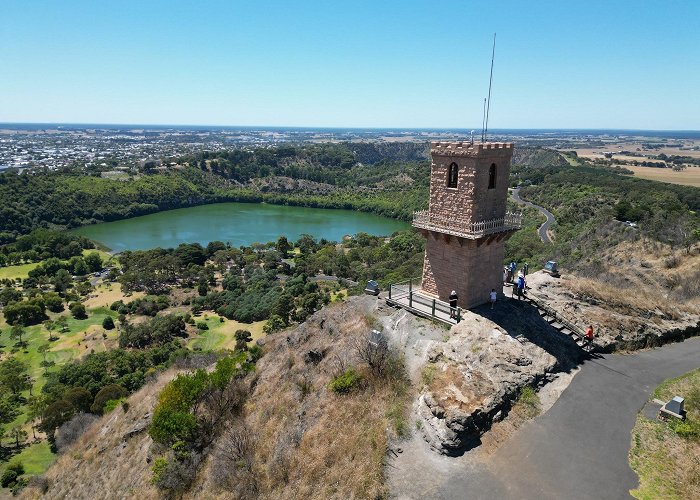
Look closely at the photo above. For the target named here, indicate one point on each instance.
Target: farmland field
(688, 177)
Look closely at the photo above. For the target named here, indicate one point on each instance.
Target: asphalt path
(544, 228)
(578, 449)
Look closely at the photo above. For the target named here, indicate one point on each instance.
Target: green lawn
(36, 458)
(70, 345)
(14, 272)
(221, 335)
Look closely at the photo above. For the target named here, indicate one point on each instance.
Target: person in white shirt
(493, 296)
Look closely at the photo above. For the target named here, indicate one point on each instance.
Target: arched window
(492, 176)
(452, 176)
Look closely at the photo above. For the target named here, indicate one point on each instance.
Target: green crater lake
(236, 223)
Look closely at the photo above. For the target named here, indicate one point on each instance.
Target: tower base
(471, 267)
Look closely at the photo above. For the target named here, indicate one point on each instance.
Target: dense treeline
(48, 199)
(40, 245)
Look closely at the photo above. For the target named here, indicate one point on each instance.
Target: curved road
(576, 450)
(544, 228)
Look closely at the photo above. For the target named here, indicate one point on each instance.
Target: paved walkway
(543, 230)
(577, 450)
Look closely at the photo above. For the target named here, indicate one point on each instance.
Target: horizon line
(339, 127)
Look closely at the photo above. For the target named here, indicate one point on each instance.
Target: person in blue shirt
(521, 286)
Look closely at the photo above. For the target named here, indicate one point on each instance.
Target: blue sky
(584, 64)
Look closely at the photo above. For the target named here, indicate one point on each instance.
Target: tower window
(492, 176)
(452, 176)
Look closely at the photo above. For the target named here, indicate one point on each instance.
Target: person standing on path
(493, 295)
(521, 286)
(589, 335)
(453, 305)
(526, 268)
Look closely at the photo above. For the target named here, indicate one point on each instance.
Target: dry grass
(312, 443)
(105, 295)
(668, 464)
(688, 177)
(638, 277)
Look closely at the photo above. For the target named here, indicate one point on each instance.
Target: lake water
(236, 223)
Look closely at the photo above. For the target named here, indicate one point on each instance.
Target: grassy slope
(220, 335)
(665, 462)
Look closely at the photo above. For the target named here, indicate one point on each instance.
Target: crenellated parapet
(471, 150)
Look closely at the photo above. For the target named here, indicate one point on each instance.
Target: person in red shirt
(589, 334)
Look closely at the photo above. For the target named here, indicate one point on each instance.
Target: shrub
(9, 477)
(108, 323)
(345, 382)
(69, 432)
(202, 325)
(687, 429)
(78, 310)
(107, 393)
(18, 467)
(112, 404)
(529, 399)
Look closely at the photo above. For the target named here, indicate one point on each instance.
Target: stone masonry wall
(470, 269)
(471, 200)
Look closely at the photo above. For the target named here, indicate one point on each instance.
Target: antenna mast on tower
(488, 105)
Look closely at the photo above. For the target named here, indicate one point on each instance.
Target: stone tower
(466, 225)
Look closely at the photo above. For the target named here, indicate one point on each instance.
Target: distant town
(55, 146)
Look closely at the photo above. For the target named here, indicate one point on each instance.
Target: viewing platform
(409, 296)
(474, 230)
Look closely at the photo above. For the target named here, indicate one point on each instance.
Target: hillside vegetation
(316, 423)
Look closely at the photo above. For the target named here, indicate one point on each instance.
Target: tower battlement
(470, 149)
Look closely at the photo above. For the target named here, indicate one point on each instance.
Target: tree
(36, 405)
(9, 295)
(62, 281)
(18, 434)
(108, 323)
(80, 398)
(13, 375)
(78, 266)
(78, 310)
(283, 246)
(50, 326)
(62, 323)
(93, 261)
(53, 301)
(284, 307)
(24, 313)
(43, 349)
(55, 415)
(107, 393)
(9, 409)
(273, 324)
(16, 333)
(242, 339)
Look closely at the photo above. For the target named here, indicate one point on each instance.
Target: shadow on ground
(522, 321)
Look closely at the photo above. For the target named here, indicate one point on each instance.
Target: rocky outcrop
(472, 379)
